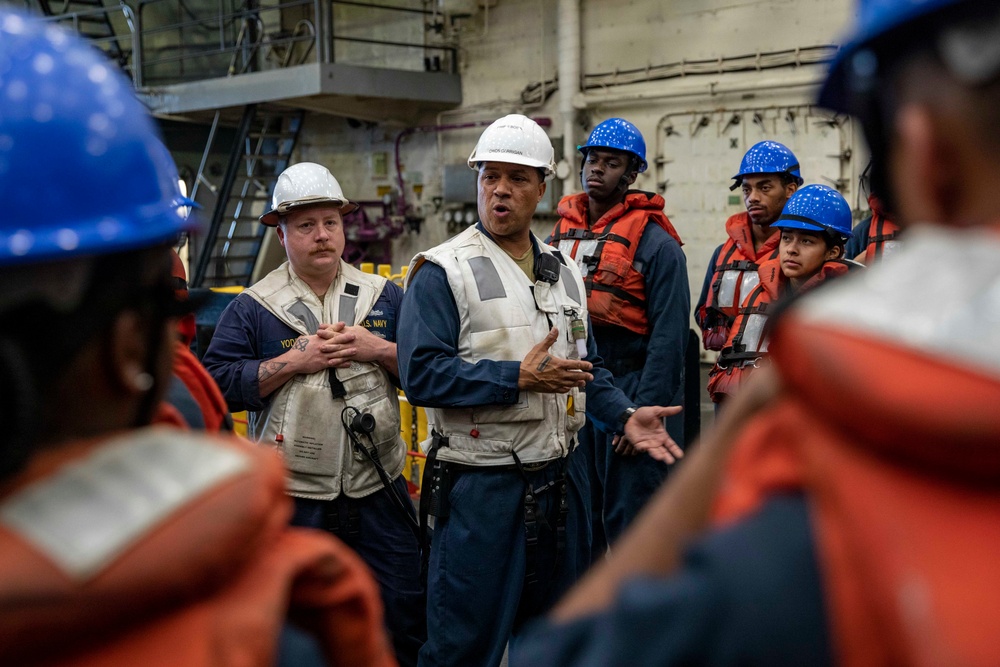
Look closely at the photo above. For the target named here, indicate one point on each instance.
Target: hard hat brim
(272, 217)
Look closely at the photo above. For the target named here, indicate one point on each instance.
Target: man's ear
(631, 176)
(280, 228)
(924, 169)
(541, 190)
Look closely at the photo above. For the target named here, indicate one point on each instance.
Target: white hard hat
(305, 184)
(516, 139)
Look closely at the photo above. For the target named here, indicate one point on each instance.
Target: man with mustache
(768, 176)
(637, 293)
(308, 351)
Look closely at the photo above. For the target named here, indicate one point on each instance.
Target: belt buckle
(535, 467)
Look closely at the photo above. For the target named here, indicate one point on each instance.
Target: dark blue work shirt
(248, 334)
(433, 375)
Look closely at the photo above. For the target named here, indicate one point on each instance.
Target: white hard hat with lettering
(515, 139)
(305, 184)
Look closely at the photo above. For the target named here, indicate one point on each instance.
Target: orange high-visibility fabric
(737, 253)
(616, 291)
(896, 452)
(211, 583)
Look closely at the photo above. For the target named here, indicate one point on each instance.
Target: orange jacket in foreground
(162, 547)
(889, 427)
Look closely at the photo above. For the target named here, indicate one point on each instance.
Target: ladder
(264, 143)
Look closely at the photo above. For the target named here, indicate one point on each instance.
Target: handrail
(192, 48)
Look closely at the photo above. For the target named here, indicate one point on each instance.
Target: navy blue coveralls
(477, 599)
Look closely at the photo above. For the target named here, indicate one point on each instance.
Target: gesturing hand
(544, 373)
(645, 432)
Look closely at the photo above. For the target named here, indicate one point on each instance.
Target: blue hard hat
(82, 169)
(768, 157)
(619, 134)
(855, 64)
(817, 208)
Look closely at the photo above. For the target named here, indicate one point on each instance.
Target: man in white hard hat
(499, 349)
(310, 352)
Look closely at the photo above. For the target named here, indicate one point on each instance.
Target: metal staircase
(228, 252)
(91, 19)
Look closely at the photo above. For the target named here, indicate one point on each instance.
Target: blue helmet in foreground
(82, 170)
(817, 208)
(768, 157)
(619, 134)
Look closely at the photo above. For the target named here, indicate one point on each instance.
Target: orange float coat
(748, 337)
(887, 424)
(734, 276)
(203, 389)
(880, 231)
(162, 547)
(616, 290)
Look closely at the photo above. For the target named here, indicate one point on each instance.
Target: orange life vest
(882, 233)
(889, 429)
(203, 389)
(748, 337)
(163, 547)
(733, 278)
(616, 290)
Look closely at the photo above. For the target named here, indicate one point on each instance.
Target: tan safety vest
(502, 316)
(318, 453)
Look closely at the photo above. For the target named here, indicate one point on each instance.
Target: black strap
(534, 519)
(432, 485)
(619, 292)
(371, 453)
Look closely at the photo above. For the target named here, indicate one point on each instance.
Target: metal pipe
(710, 89)
(569, 79)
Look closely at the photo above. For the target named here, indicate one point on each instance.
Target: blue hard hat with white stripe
(817, 208)
(619, 134)
(769, 157)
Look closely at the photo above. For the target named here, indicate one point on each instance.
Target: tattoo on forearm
(267, 369)
(300, 343)
(545, 362)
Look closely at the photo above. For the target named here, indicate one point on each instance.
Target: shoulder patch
(94, 509)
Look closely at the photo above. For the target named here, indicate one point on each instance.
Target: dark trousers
(477, 598)
(619, 486)
(375, 529)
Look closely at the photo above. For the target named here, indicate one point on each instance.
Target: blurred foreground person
(855, 518)
(122, 544)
